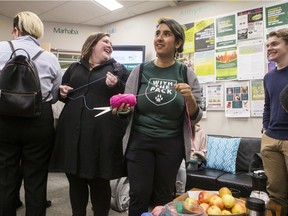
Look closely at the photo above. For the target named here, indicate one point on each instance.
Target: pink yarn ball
(117, 100)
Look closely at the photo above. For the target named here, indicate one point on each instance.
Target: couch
(213, 179)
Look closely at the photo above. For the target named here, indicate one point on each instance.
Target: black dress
(89, 146)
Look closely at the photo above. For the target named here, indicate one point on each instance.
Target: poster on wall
(257, 98)
(250, 24)
(215, 96)
(204, 35)
(276, 16)
(225, 31)
(204, 66)
(189, 31)
(226, 63)
(251, 63)
(237, 99)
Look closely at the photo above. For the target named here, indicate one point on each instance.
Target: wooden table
(271, 204)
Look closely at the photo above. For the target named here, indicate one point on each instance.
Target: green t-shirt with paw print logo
(160, 109)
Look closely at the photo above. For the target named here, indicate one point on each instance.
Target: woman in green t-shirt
(158, 135)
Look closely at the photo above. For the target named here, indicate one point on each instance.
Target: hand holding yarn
(122, 103)
(117, 100)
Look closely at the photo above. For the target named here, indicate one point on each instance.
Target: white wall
(57, 40)
(140, 31)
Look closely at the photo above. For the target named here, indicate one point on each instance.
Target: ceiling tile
(80, 11)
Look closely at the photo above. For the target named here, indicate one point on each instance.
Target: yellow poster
(189, 38)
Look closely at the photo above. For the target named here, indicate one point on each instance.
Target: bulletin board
(228, 55)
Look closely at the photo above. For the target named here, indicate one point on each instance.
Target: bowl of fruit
(220, 202)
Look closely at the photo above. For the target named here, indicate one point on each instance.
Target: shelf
(66, 57)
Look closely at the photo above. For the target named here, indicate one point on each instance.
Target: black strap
(37, 55)
(12, 47)
(184, 73)
(140, 75)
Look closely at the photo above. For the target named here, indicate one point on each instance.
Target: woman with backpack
(26, 143)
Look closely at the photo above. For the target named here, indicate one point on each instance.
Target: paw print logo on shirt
(159, 98)
(160, 91)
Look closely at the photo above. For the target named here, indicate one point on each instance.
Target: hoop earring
(176, 54)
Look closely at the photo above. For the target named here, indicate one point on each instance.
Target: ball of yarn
(117, 100)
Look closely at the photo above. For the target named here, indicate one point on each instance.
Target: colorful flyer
(189, 38)
(215, 96)
(276, 16)
(237, 99)
(204, 66)
(226, 63)
(204, 35)
(250, 24)
(257, 98)
(226, 31)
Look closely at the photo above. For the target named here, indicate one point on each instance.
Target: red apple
(216, 200)
(204, 197)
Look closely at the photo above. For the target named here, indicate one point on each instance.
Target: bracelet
(123, 113)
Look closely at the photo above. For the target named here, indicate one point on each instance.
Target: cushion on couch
(222, 153)
(204, 178)
(241, 181)
(247, 148)
(212, 179)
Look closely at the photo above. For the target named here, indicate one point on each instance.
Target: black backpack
(20, 89)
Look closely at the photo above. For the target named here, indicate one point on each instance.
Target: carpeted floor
(58, 194)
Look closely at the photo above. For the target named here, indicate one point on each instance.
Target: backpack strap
(184, 73)
(140, 75)
(192, 127)
(12, 47)
(37, 55)
(33, 59)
